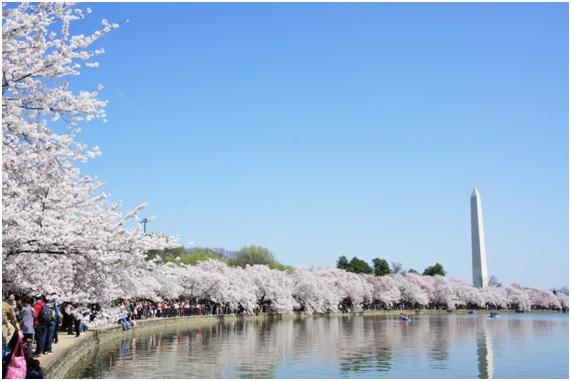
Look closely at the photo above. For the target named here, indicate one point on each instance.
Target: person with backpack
(44, 328)
(52, 326)
(38, 304)
(40, 331)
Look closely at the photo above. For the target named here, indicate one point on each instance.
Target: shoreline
(72, 351)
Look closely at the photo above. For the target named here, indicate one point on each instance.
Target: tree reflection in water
(430, 346)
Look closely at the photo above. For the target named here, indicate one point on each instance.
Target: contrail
(140, 110)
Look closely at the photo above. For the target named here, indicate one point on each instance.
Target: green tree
(381, 267)
(435, 269)
(413, 271)
(186, 256)
(256, 255)
(359, 266)
(194, 256)
(342, 263)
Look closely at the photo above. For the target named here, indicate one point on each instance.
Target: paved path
(64, 341)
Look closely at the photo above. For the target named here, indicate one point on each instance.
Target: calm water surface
(532, 345)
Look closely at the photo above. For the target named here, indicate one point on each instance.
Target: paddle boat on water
(404, 317)
(493, 315)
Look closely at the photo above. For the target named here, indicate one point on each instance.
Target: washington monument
(479, 260)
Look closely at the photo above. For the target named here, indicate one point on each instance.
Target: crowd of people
(36, 322)
(126, 312)
(39, 320)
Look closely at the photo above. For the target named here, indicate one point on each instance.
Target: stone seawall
(72, 351)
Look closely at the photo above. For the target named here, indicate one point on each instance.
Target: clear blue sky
(320, 130)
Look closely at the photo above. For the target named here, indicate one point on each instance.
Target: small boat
(493, 315)
(470, 312)
(404, 318)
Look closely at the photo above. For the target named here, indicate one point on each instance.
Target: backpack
(46, 315)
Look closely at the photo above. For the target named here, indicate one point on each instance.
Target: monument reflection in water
(437, 346)
(485, 353)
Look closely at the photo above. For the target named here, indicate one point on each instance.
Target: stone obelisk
(479, 260)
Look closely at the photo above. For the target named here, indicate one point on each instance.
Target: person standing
(69, 310)
(52, 327)
(44, 328)
(40, 301)
(40, 329)
(10, 324)
(26, 318)
(58, 318)
(63, 310)
(13, 303)
(77, 319)
(159, 309)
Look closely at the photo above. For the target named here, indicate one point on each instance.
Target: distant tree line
(381, 267)
(248, 255)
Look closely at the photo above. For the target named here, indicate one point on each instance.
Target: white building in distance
(479, 259)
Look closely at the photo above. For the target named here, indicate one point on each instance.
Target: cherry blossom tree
(273, 288)
(540, 299)
(384, 290)
(313, 293)
(518, 297)
(60, 233)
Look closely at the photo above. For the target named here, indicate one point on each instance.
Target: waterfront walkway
(64, 341)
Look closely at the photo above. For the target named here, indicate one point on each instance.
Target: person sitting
(125, 323)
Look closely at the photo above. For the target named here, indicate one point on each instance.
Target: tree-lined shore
(62, 236)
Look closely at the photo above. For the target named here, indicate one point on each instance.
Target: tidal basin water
(531, 345)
